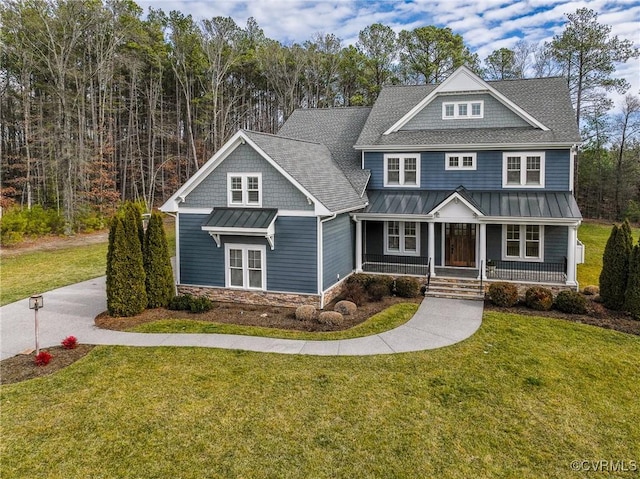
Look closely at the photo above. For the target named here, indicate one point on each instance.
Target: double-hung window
(402, 238)
(244, 189)
(402, 169)
(523, 242)
(245, 266)
(460, 161)
(523, 170)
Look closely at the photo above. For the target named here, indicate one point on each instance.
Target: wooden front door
(460, 244)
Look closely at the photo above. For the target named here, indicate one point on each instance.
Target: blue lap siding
(291, 266)
(338, 240)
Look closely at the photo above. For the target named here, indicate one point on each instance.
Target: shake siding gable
(496, 115)
(277, 191)
(338, 240)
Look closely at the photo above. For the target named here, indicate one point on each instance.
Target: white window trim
(474, 157)
(245, 191)
(523, 239)
(401, 251)
(401, 182)
(457, 116)
(245, 265)
(523, 168)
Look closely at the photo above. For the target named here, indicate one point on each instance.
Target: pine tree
(157, 264)
(126, 295)
(632, 296)
(615, 266)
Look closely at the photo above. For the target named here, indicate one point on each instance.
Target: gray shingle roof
(514, 204)
(241, 218)
(311, 165)
(546, 99)
(338, 129)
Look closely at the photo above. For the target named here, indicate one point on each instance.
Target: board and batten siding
(486, 176)
(277, 191)
(291, 266)
(338, 249)
(496, 115)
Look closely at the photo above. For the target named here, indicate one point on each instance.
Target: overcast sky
(485, 25)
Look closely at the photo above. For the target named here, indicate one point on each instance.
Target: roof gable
(464, 80)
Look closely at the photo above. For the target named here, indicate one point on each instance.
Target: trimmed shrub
(305, 312)
(615, 267)
(157, 264)
(591, 290)
(345, 308)
(407, 287)
(200, 305)
(503, 294)
(126, 295)
(355, 293)
(571, 302)
(377, 291)
(70, 342)
(539, 298)
(181, 302)
(330, 317)
(632, 296)
(43, 358)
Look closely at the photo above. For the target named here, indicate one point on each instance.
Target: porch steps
(456, 288)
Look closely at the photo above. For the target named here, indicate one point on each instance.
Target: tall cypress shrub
(615, 267)
(157, 264)
(126, 294)
(632, 296)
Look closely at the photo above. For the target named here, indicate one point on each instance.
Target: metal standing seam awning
(242, 222)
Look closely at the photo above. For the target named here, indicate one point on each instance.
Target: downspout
(321, 257)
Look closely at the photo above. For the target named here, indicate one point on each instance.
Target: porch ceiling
(508, 204)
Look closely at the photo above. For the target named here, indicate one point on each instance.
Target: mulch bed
(23, 366)
(249, 315)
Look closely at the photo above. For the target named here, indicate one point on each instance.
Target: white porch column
(483, 251)
(571, 255)
(431, 247)
(358, 246)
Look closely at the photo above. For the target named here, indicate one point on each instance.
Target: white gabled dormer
(464, 82)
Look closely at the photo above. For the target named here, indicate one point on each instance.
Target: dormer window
(244, 189)
(402, 169)
(462, 110)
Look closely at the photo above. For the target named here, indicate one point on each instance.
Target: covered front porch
(457, 239)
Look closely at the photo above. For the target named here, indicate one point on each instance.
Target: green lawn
(521, 398)
(24, 274)
(595, 236)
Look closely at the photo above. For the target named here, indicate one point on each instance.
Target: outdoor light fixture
(36, 302)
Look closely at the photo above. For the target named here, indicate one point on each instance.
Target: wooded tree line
(99, 104)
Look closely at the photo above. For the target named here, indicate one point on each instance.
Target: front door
(460, 244)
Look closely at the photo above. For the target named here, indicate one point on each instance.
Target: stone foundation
(333, 292)
(251, 297)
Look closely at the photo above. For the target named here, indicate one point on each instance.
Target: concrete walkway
(71, 310)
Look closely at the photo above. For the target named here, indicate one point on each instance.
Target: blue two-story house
(466, 178)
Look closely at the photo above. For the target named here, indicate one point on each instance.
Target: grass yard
(595, 236)
(26, 273)
(523, 397)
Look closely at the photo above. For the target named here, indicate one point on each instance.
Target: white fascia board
(451, 198)
(468, 146)
(479, 85)
(171, 205)
(390, 217)
(530, 220)
(194, 211)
